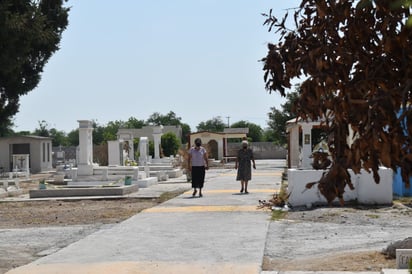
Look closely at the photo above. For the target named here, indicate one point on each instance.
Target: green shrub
(170, 144)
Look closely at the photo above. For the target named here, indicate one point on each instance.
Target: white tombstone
(157, 135)
(85, 164)
(105, 174)
(135, 173)
(114, 153)
(144, 151)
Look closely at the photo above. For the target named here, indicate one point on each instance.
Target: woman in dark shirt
(243, 165)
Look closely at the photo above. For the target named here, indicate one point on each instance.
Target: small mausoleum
(301, 148)
(217, 141)
(300, 139)
(31, 154)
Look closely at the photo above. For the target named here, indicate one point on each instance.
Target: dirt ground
(348, 261)
(78, 218)
(391, 218)
(31, 229)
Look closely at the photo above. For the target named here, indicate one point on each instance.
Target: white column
(85, 165)
(294, 147)
(306, 146)
(220, 149)
(131, 147)
(26, 165)
(157, 135)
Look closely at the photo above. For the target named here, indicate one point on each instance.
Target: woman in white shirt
(198, 164)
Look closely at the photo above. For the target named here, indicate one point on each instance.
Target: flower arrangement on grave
(128, 162)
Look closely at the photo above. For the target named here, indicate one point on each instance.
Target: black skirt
(198, 176)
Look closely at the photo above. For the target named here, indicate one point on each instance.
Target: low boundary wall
(261, 150)
(366, 190)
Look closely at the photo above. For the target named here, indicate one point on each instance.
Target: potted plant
(127, 180)
(42, 184)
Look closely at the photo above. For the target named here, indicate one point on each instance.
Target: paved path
(222, 232)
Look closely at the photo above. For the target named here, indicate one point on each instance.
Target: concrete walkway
(222, 232)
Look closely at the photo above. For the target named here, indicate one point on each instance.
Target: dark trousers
(198, 176)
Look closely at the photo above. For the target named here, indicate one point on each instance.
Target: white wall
(366, 190)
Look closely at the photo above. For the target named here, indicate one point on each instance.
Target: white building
(16, 149)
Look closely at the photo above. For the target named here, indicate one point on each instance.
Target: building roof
(299, 121)
(244, 130)
(31, 137)
(220, 134)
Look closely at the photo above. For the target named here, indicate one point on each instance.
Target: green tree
(279, 117)
(134, 123)
(98, 133)
(43, 129)
(111, 129)
(73, 137)
(6, 128)
(151, 148)
(355, 57)
(269, 135)
(170, 144)
(215, 124)
(22, 133)
(59, 137)
(185, 133)
(30, 32)
(255, 131)
(170, 119)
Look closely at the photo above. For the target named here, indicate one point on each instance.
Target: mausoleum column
(157, 139)
(294, 147)
(131, 150)
(306, 145)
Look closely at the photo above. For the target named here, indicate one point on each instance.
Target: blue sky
(118, 59)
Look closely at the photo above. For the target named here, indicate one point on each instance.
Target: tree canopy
(215, 124)
(279, 117)
(30, 32)
(170, 119)
(170, 144)
(255, 131)
(356, 60)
